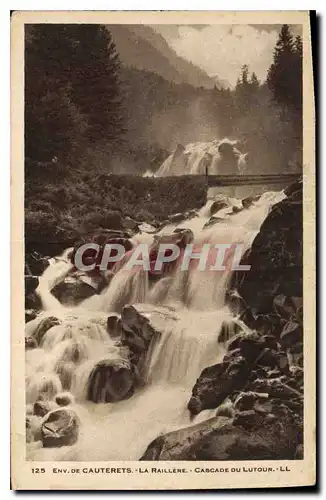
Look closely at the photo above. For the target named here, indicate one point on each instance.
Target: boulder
(292, 334)
(36, 263)
(111, 381)
(216, 383)
(30, 343)
(45, 324)
(176, 218)
(144, 227)
(64, 399)
(72, 291)
(218, 439)
(30, 314)
(275, 257)
(219, 203)
(31, 283)
(226, 409)
(60, 428)
(130, 224)
(180, 237)
(102, 238)
(41, 407)
(249, 200)
(245, 401)
(212, 221)
(114, 326)
(137, 332)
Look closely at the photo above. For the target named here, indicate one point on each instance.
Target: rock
(269, 357)
(137, 332)
(60, 428)
(217, 382)
(247, 419)
(41, 408)
(218, 204)
(295, 355)
(33, 301)
(144, 227)
(245, 401)
(111, 381)
(293, 188)
(268, 324)
(30, 314)
(64, 399)
(275, 257)
(176, 218)
(102, 238)
(297, 373)
(30, 343)
(283, 362)
(35, 263)
(275, 388)
(235, 302)
(251, 346)
(114, 326)
(180, 237)
(212, 221)
(225, 410)
(31, 283)
(72, 291)
(249, 200)
(45, 325)
(292, 333)
(217, 439)
(284, 306)
(129, 223)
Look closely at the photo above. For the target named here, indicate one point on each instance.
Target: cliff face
(276, 255)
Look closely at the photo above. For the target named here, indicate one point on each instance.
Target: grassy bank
(59, 211)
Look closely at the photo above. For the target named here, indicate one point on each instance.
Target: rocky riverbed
(255, 391)
(258, 387)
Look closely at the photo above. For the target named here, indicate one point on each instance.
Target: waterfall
(187, 308)
(218, 157)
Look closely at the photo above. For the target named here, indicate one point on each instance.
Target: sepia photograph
(163, 190)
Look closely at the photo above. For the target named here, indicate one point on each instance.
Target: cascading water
(218, 157)
(187, 308)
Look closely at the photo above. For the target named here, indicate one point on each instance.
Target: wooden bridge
(252, 180)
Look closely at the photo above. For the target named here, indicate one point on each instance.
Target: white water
(188, 308)
(195, 157)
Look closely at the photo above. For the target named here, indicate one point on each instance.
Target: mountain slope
(141, 47)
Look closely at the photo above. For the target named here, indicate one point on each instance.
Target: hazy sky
(222, 49)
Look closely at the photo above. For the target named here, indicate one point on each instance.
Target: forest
(88, 115)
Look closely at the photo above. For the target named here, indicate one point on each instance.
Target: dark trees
(72, 94)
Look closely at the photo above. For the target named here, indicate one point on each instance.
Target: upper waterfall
(215, 157)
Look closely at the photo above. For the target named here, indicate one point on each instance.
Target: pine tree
(247, 89)
(72, 92)
(95, 81)
(254, 82)
(284, 75)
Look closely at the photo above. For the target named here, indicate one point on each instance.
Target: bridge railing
(252, 180)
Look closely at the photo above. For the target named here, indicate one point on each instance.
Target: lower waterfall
(187, 308)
